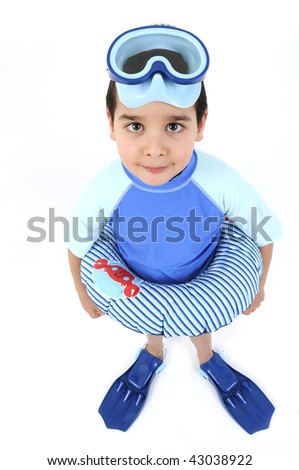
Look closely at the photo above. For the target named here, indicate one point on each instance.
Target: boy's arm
(266, 253)
(86, 302)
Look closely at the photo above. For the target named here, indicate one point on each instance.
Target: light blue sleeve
(249, 211)
(239, 201)
(86, 220)
(94, 207)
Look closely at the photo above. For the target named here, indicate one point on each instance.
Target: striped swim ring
(211, 300)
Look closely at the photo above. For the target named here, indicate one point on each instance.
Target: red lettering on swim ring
(119, 274)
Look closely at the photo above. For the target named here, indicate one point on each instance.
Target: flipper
(127, 395)
(241, 397)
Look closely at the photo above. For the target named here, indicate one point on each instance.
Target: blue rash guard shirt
(168, 233)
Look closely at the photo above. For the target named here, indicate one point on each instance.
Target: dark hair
(201, 104)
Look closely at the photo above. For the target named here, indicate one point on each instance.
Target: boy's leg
(155, 345)
(203, 346)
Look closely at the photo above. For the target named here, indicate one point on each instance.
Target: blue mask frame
(158, 80)
(153, 37)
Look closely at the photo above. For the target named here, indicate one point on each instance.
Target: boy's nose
(155, 147)
(155, 153)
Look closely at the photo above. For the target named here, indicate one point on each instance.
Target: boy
(164, 240)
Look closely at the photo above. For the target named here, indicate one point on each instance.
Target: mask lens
(137, 62)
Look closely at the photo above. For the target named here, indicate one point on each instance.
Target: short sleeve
(86, 221)
(237, 199)
(95, 206)
(248, 210)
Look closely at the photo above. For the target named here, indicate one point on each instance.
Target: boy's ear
(111, 124)
(201, 126)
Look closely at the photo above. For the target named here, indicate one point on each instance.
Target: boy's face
(155, 142)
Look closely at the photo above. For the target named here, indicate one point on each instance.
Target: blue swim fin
(241, 397)
(127, 395)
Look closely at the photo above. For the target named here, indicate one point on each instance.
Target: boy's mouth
(155, 169)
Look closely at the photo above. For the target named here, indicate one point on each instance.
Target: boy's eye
(135, 127)
(174, 127)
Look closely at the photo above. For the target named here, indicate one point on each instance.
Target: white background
(56, 363)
